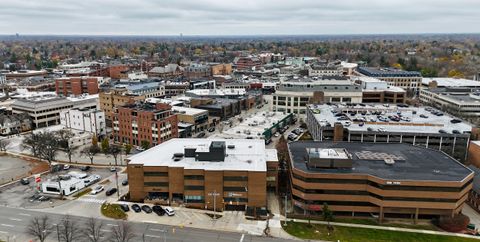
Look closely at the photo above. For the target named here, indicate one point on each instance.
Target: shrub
(456, 223)
(113, 211)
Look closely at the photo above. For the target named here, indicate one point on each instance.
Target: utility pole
(214, 194)
(116, 181)
(285, 205)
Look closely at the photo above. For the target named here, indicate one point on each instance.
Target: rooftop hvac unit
(389, 161)
(231, 146)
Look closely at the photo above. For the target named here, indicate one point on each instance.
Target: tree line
(69, 229)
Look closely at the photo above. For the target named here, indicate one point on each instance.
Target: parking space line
(3, 232)
(243, 236)
(15, 219)
(153, 236)
(24, 214)
(114, 225)
(6, 225)
(198, 216)
(105, 230)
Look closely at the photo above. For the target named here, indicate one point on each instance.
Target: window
(156, 184)
(155, 173)
(194, 199)
(194, 188)
(235, 189)
(194, 177)
(235, 178)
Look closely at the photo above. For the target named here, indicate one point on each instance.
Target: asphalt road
(13, 224)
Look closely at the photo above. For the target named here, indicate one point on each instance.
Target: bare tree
(90, 152)
(94, 230)
(32, 142)
(64, 137)
(122, 233)
(68, 230)
(49, 146)
(40, 228)
(3, 144)
(114, 151)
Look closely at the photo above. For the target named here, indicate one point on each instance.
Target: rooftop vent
(231, 146)
(389, 161)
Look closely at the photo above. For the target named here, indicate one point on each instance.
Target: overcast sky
(232, 17)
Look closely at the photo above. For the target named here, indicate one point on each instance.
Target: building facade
(113, 99)
(15, 123)
(384, 180)
(86, 120)
(76, 86)
(408, 80)
(143, 122)
(202, 173)
(198, 118)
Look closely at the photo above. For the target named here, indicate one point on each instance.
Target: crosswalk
(91, 200)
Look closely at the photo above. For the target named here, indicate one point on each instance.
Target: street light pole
(285, 205)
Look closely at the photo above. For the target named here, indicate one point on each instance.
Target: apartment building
(114, 98)
(408, 80)
(86, 120)
(379, 123)
(197, 71)
(144, 122)
(15, 123)
(221, 68)
(294, 95)
(384, 180)
(247, 63)
(325, 70)
(67, 86)
(229, 174)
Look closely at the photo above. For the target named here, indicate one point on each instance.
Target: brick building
(76, 86)
(194, 172)
(144, 122)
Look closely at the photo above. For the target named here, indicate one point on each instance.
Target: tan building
(384, 180)
(198, 118)
(113, 99)
(221, 69)
(227, 174)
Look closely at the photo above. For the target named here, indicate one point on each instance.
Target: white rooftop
(328, 153)
(429, 123)
(188, 111)
(248, 155)
(451, 82)
(217, 92)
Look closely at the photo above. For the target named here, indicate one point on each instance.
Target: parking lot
(19, 195)
(11, 168)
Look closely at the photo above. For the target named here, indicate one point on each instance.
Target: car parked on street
(169, 211)
(146, 209)
(136, 208)
(158, 210)
(125, 182)
(24, 181)
(124, 207)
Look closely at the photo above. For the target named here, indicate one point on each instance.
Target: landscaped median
(113, 211)
(354, 234)
(84, 192)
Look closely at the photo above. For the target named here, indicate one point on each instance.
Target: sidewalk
(387, 228)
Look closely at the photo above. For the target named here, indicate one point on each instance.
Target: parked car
(113, 168)
(276, 134)
(66, 167)
(34, 197)
(201, 135)
(158, 210)
(24, 181)
(125, 182)
(124, 207)
(43, 199)
(442, 131)
(455, 121)
(169, 211)
(85, 168)
(455, 131)
(423, 116)
(111, 191)
(212, 129)
(136, 208)
(97, 190)
(146, 209)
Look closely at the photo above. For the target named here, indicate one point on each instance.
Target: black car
(111, 191)
(201, 135)
(158, 210)
(146, 209)
(85, 168)
(455, 131)
(455, 121)
(125, 182)
(24, 181)
(136, 208)
(124, 207)
(212, 129)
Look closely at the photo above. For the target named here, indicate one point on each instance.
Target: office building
(377, 91)
(68, 86)
(408, 80)
(197, 118)
(86, 120)
(381, 180)
(229, 174)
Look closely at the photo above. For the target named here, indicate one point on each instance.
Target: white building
(86, 120)
(3, 79)
(325, 70)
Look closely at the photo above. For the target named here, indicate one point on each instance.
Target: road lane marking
(153, 236)
(243, 236)
(158, 230)
(114, 225)
(15, 219)
(105, 230)
(6, 225)
(3, 232)
(24, 214)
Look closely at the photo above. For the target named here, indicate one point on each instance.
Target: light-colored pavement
(472, 214)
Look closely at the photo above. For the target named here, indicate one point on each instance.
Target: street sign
(38, 179)
(213, 194)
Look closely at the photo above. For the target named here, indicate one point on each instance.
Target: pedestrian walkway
(422, 231)
(91, 200)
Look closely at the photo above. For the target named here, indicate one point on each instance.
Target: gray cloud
(205, 17)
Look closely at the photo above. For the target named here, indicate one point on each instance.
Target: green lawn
(86, 191)
(386, 223)
(320, 232)
(113, 211)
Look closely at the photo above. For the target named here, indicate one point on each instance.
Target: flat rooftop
(188, 111)
(450, 82)
(411, 162)
(417, 119)
(253, 125)
(387, 72)
(248, 155)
